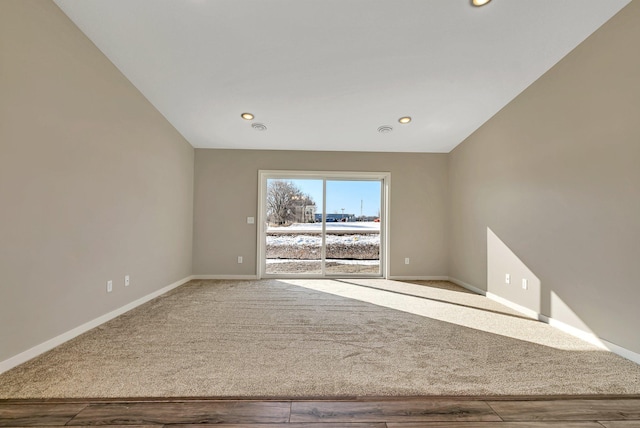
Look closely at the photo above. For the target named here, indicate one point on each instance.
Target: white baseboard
(569, 329)
(588, 336)
(516, 307)
(574, 331)
(623, 352)
(231, 277)
(64, 337)
(468, 286)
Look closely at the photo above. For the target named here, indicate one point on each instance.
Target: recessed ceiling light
(404, 120)
(479, 2)
(385, 129)
(247, 116)
(259, 126)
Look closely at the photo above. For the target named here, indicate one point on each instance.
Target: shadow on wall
(510, 281)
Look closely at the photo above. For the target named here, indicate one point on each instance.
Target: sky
(345, 194)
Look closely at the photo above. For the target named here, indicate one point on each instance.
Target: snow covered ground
(336, 227)
(316, 240)
(360, 241)
(338, 261)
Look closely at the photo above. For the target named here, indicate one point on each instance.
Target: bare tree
(286, 203)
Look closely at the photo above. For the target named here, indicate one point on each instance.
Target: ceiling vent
(385, 129)
(259, 126)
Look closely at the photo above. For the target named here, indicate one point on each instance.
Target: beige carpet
(297, 338)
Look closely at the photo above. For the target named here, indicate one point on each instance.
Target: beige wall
(226, 193)
(555, 176)
(94, 182)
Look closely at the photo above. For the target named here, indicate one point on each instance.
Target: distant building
(304, 214)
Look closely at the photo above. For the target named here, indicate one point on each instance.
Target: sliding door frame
(264, 175)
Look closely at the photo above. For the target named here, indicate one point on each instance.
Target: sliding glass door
(316, 224)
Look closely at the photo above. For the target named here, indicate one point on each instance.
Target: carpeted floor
(302, 338)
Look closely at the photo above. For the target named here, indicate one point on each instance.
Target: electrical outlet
(109, 286)
(251, 220)
(406, 260)
(240, 259)
(507, 279)
(126, 281)
(525, 283)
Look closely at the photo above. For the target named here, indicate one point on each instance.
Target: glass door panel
(353, 227)
(294, 239)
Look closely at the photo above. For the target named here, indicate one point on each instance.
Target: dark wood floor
(413, 412)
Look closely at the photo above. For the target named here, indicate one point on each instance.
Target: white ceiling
(325, 74)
